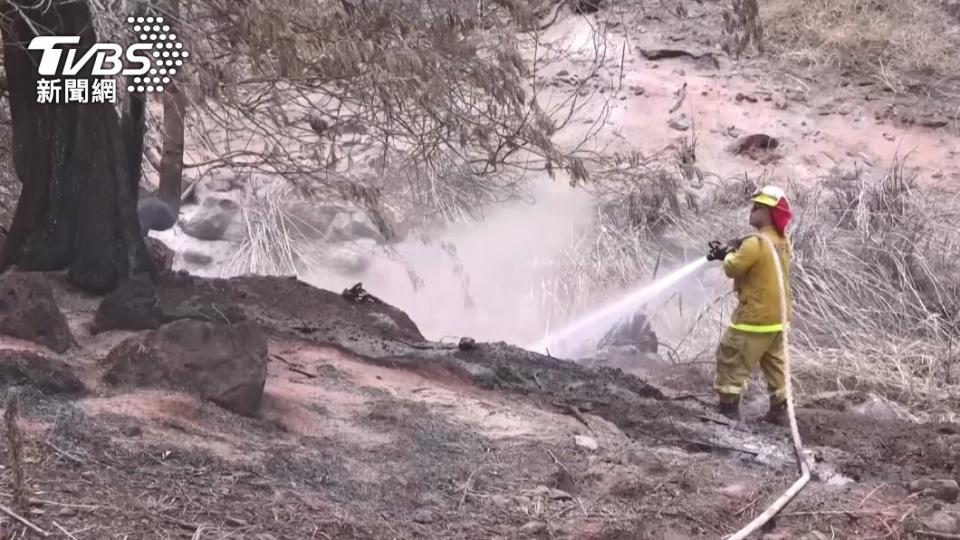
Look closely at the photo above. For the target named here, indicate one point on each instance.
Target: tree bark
(171, 159)
(77, 210)
(174, 110)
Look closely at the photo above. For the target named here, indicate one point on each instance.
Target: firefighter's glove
(718, 251)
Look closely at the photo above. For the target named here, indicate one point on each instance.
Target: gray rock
(29, 311)
(225, 364)
(133, 305)
(48, 375)
(680, 122)
(212, 219)
(160, 253)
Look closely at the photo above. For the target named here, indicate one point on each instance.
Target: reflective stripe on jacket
(755, 282)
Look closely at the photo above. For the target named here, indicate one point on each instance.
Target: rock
(585, 442)
(211, 220)
(203, 308)
(48, 375)
(944, 489)
(755, 141)
(353, 225)
(942, 521)
(161, 254)
(746, 97)
(131, 306)
(225, 364)
(29, 311)
(197, 258)
(680, 122)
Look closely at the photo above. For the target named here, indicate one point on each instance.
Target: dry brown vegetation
(876, 292)
(898, 42)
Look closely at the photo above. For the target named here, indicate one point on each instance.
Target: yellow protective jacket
(755, 282)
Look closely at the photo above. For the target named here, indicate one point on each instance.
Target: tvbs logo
(151, 61)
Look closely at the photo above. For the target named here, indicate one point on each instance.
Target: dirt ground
(433, 442)
(367, 430)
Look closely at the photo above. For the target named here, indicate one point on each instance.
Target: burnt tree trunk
(174, 109)
(77, 210)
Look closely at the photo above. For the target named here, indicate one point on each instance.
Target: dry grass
(890, 39)
(876, 288)
(876, 292)
(274, 240)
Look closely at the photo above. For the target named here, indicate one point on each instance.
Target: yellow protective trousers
(737, 354)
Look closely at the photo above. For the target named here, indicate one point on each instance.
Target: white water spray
(604, 318)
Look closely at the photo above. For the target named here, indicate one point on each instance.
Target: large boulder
(136, 305)
(48, 375)
(29, 311)
(133, 305)
(225, 364)
(212, 220)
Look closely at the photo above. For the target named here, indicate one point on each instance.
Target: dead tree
(77, 209)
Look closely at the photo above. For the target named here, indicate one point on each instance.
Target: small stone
(680, 122)
(585, 442)
(945, 490)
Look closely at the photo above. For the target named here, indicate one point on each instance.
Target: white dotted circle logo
(168, 53)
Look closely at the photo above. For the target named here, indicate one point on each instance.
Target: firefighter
(755, 334)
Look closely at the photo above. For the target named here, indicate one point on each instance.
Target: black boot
(777, 414)
(729, 406)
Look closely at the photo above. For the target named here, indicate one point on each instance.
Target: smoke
(478, 279)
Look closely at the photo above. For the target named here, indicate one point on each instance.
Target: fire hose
(801, 482)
